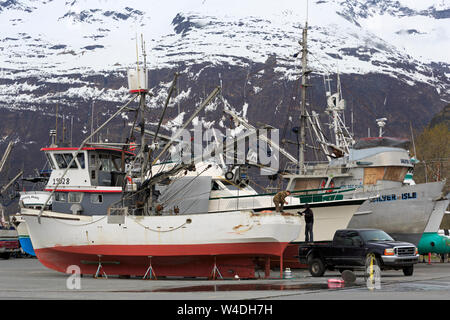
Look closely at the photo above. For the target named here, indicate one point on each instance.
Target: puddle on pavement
(250, 287)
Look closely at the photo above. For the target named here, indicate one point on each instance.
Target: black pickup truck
(353, 249)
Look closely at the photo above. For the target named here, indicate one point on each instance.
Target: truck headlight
(389, 252)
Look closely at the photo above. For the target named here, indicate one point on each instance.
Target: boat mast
(303, 116)
(140, 87)
(56, 120)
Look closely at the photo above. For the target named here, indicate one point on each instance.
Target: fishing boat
(9, 241)
(377, 171)
(201, 193)
(33, 200)
(115, 212)
(84, 228)
(372, 167)
(23, 235)
(248, 224)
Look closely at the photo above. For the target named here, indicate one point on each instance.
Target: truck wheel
(316, 267)
(408, 271)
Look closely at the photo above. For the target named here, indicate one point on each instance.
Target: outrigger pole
(171, 89)
(6, 155)
(11, 182)
(213, 94)
(155, 136)
(262, 137)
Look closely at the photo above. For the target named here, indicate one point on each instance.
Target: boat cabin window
(68, 157)
(106, 163)
(117, 161)
(96, 198)
(50, 161)
(75, 197)
(61, 196)
(80, 158)
(63, 160)
(93, 160)
(61, 163)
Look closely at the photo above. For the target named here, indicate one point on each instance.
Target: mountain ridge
(249, 52)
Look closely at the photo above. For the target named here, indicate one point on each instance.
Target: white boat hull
(403, 212)
(180, 245)
(328, 215)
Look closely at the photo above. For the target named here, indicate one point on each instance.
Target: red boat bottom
(243, 265)
(290, 259)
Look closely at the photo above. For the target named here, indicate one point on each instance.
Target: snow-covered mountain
(58, 36)
(392, 56)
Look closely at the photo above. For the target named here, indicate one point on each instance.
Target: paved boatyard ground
(26, 278)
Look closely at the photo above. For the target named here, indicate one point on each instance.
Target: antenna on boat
(144, 53)
(71, 131)
(63, 129)
(138, 84)
(137, 61)
(53, 137)
(307, 10)
(92, 118)
(412, 136)
(92, 113)
(352, 121)
(56, 125)
(381, 123)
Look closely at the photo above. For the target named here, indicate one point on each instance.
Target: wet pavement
(26, 278)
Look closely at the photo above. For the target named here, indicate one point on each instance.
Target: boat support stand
(215, 270)
(150, 272)
(100, 267)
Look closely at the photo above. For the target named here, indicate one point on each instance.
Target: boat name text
(393, 197)
(61, 181)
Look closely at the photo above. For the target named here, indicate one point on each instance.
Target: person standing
(280, 200)
(309, 222)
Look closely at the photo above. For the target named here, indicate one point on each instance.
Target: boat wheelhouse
(93, 182)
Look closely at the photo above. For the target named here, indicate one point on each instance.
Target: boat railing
(294, 167)
(265, 200)
(313, 167)
(130, 204)
(133, 203)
